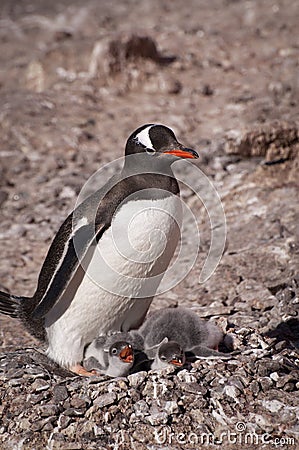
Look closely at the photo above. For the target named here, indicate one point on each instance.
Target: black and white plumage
(183, 326)
(69, 307)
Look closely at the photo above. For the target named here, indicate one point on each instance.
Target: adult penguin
(109, 256)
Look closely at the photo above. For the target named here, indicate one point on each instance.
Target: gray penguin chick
(168, 354)
(112, 354)
(183, 326)
(119, 360)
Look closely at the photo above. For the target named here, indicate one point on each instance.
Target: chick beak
(126, 354)
(177, 362)
(183, 152)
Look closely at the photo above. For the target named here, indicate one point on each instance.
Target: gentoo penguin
(116, 360)
(168, 354)
(183, 326)
(107, 259)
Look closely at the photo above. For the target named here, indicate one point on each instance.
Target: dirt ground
(76, 78)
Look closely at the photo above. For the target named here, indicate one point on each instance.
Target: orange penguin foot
(79, 370)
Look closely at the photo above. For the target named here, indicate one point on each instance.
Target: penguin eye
(150, 151)
(114, 351)
(163, 358)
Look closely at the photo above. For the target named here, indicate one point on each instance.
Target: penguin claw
(80, 370)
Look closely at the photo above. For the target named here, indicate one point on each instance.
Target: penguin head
(157, 141)
(122, 351)
(171, 353)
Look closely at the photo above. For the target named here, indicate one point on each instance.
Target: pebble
(266, 383)
(157, 418)
(47, 410)
(40, 385)
(60, 393)
(171, 407)
(105, 399)
(141, 408)
(274, 376)
(74, 412)
(273, 405)
(137, 378)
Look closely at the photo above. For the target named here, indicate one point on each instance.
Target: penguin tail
(10, 304)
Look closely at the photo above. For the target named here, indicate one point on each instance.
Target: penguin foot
(79, 370)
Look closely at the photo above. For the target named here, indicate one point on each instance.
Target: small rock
(24, 424)
(254, 387)
(60, 393)
(266, 383)
(273, 405)
(135, 395)
(71, 446)
(193, 388)
(77, 402)
(281, 345)
(237, 382)
(186, 377)
(63, 421)
(43, 424)
(157, 418)
(74, 412)
(232, 391)
(274, 376)
(135, 379)
(118, 385)
(15, 374)
(141, 408)
(47, 410)
(40, 385)
(171, 407)
(105, 399)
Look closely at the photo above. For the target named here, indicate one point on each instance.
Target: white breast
(116, 287)
(138, 245)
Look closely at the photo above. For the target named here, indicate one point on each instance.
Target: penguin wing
(92, 363)
(76, 236)
(74, 250)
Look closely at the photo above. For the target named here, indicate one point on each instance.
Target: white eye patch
(144, 139)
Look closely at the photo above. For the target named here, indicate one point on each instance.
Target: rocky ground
(75, 81)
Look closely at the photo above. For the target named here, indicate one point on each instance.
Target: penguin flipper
(10, 304)
(75, 249)
(200, 351)
(92, 363)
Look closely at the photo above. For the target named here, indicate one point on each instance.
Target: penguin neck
(143, 163)
(150, 172)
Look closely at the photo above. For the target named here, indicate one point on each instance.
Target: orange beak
(126, 354)
(177, 362)
(183, 153)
